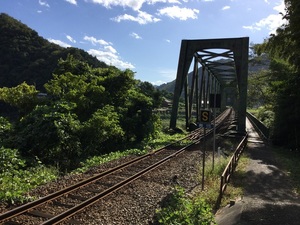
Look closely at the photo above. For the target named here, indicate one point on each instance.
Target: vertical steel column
(201, 88)
(197, 91)
(185, 58)
(239, 47)
(214, 124)
(207, 90)
(241, 63)
(187, 103)
(191, 97)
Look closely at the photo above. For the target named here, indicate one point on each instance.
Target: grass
(212, 181)
(289, 161)
(165, 121)
(179, 210)
(163, 140)
(17, 178)
(14, 185)
(98, 160)
(235, 188)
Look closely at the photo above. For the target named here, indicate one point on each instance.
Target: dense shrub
(50, 133)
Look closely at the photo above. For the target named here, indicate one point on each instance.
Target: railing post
(229, 169)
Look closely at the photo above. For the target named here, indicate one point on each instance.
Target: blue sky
(144, 35)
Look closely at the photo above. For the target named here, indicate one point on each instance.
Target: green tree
(51, 134)
(5, 130)
(138, 120)
(102, 132)
(283, 49)
(87, 111)
(258, 89)
(76, 82)
(93, 89)
(117, 85)
(149, 90)
(71, 65)
(23, 96)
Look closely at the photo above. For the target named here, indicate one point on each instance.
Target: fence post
(229, 169)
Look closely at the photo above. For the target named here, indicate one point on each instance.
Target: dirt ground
(268, 196)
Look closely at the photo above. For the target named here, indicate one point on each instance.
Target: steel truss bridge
(220, 68)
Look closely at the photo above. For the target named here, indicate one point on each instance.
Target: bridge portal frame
(238, 48)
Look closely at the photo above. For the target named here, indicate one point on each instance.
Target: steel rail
(29, 206)
(65, 215)
(26, 207)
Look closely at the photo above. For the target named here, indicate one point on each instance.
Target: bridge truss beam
(224, 65)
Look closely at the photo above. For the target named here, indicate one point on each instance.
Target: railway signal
(205, 116)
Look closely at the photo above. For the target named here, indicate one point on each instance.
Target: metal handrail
(259, 126)
(229, 169)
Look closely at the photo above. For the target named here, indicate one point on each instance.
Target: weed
(289, 160)
(98, 160)
(182, 210)
(16, 179)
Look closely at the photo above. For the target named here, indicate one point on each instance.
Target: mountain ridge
(26, 56)
(256, 64)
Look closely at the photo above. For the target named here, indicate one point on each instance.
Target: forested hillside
(87, 108)
(25, 56)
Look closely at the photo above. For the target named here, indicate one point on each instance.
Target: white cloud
(226, 7)
(94, 41)
(74, 2)
(167, 40)
(110, 59)
(142, 18)
(106, 53)
(110, 49)
(179, 13)
(59, 42)
(133, 4)
(271, 22)
(158, 82)
(135, 35)
(70, 39)
(280, 7)
(44, 3)
(152, 2)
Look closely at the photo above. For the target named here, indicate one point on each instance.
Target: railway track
(61, 205)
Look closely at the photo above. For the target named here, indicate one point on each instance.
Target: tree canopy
(283, 79)
(85, 111)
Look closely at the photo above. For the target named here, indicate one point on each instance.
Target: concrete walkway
(268, 196)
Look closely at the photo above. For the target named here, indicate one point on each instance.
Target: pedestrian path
(268, 196)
